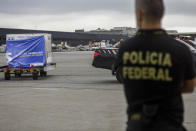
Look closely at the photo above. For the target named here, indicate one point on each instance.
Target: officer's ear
(139, 16)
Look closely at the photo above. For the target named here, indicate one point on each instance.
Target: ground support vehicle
(105, 58)
(28, 54)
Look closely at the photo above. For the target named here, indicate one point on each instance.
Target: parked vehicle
(105, 58)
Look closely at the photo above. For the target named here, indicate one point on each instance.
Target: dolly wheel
(17, 75)
(35, 75)
(7, 76)
(43, 73)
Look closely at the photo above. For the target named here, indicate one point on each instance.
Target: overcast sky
(68, 15)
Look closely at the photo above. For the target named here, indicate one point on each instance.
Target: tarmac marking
(47, 89)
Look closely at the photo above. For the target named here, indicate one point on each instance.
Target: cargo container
(28, 53)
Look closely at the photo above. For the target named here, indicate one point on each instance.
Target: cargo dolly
(35, 71)
(28, 54)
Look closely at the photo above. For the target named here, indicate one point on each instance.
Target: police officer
(156, 70)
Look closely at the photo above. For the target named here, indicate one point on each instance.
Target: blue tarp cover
(26, 52)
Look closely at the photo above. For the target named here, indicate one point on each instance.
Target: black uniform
(153, 68)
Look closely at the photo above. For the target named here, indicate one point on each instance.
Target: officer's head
(149, 11)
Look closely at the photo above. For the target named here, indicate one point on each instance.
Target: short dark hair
(152, 9)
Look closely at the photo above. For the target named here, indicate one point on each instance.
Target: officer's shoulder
(181, 45)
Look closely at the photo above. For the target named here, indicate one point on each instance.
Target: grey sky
(62, 6)
(67, 15)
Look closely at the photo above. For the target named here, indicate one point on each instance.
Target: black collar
(151, 32)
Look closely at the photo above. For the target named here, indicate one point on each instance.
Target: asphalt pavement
(74, 97)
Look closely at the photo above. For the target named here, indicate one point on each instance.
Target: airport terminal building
(83, 38)
(72, 38)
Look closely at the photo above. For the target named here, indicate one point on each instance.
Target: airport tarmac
(74, 97)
